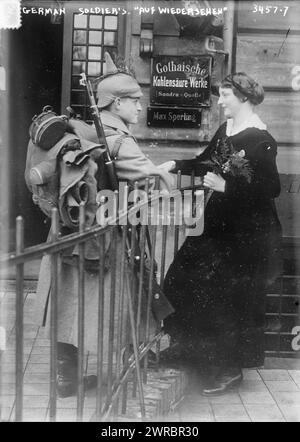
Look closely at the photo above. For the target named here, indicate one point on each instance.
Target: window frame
(68, 44)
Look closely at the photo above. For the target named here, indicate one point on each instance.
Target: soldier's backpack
(62, 169)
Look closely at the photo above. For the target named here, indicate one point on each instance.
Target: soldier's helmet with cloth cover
(116, 83)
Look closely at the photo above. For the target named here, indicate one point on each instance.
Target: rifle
(162, 301)
(109, 164)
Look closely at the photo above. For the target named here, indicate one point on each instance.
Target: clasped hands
(214, 182)
(211, 180)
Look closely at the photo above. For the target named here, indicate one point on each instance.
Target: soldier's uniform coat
(131, 165)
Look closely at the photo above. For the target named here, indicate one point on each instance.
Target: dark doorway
(34, 80)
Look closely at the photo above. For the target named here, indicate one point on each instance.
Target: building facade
(178, 57)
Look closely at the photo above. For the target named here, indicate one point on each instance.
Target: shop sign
(181, 80)
(173, 117)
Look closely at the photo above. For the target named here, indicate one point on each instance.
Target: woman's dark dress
(217, 281)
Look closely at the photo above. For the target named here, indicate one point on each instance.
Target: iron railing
(143, 252)
(137, 259)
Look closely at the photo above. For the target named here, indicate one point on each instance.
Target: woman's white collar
(253, 121)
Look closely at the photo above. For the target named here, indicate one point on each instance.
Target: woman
(217, 282)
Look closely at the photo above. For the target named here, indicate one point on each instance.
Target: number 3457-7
(269, 9)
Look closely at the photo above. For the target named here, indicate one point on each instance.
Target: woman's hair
(243, 87)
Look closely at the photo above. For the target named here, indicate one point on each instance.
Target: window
(92, 36)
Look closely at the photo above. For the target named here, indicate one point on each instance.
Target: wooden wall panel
(280, 111)
(268, 58)
(266, 53)
(288, 203)
(288, 160)
(272, 20)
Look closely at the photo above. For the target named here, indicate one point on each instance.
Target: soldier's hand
(167, 166)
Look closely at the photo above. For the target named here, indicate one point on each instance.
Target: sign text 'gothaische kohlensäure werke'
(181, 80)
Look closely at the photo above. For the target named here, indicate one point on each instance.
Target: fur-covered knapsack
(71, 171)
(62, 177)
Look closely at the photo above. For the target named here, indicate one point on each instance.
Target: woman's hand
(214, 182)
(167, 166)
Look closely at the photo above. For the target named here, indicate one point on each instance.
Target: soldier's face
(129, 109)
